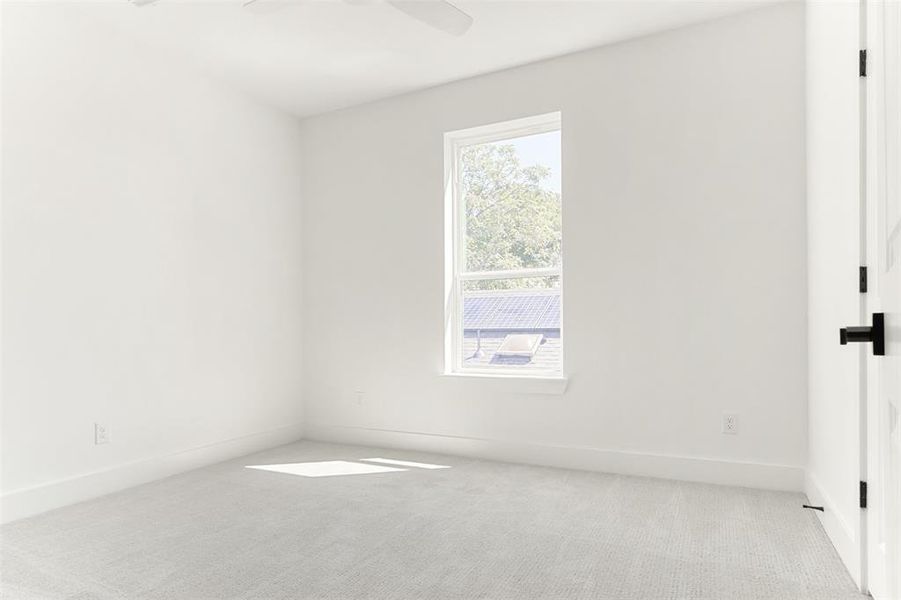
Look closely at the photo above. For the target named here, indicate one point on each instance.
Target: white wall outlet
(358, 398)
(730, 423)
(101, 434)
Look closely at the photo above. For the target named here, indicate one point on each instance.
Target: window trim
(454, 250)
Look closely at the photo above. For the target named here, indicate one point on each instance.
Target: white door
(883, 169)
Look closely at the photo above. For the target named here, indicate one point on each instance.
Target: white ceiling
(311, 56)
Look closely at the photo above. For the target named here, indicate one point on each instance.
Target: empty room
(450, 299)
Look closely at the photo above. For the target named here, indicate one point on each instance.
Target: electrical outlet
(358, 398)
(730, 423)
(101, 434)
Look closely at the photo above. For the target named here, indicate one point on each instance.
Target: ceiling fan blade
(437, 13)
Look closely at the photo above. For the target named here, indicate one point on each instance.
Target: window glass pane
(511, 194)
(512, 324)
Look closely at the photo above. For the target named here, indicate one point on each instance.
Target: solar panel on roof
(551, 317)
(506, 310)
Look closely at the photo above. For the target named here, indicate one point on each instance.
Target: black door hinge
(863, 63)
(863, 494)
(862, 280)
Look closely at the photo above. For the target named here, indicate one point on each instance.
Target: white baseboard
(18, 504)
(840, 531)
(724, 472)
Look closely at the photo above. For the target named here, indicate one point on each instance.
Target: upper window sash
(487, 134)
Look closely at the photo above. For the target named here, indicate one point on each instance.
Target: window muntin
(505, 248)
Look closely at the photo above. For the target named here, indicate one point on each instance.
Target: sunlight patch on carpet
(405, 463)
(329, 468)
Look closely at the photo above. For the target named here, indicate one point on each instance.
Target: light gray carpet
(477, 530)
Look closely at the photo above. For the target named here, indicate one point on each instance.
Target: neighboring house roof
(546, 359)
(512, 310)
(489, 316)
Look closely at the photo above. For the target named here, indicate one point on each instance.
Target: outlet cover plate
(730, 424)
(101, 434)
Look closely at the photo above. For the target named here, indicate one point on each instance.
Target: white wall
(684, 257)
(834, 255)
(151, 265)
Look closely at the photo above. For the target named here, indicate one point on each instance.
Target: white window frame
(455, 265)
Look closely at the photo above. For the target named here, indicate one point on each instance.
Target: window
(504, 255)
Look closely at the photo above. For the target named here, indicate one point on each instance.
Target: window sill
(522, 384)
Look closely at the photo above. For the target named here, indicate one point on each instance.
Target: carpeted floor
(476, 530)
